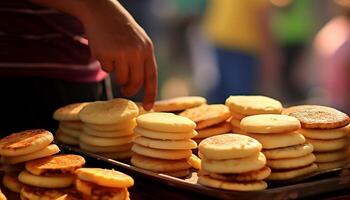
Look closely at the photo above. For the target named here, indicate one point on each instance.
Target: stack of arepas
(178, 104)
(18, 148)
(242, 106)
(325, 128)
(210, 120)
(232, 162)
(96, 183)
(288, 155)
(163, 143)
(53, 175)
(108, 127)
(70, 126)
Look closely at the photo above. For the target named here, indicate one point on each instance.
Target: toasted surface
(331, 165)
(228, 185)
(62, 181)
(96, 149)
(228, 146)
(108, 134)
(293, 173)
(178, 103)
(321, 117)
(161, 153)
(104, 142)
(159, 165)
(55, 165)
(127, 124)
(331, 156)
(69, 112)
(291, 163)
(94, 191)
(165, 135)
(10, 181)
(109, 112)
(289, 152)
(118, 155)
(217, 129)
(47, 151)
(257, 175)
(30, 192)
(105, 177)
(166, 122)
(329, 145)
(166, 144)
(324, 134)
(66, 139)
(278, 140)
(238, 165)
(25, 142)
(178, 174)
(269, 123)
(253, 105)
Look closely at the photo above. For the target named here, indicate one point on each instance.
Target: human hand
(122, 47)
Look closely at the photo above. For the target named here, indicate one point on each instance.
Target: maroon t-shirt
(42, 42)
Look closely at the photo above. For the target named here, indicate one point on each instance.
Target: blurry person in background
(45, 58)
(245, 50)
(293, 27)
(332, 49)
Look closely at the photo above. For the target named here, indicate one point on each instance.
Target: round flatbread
(269, 123)
(218, 129)
(25, 142)
(278, 140)
(291, 163)
(46, 181)
(55, 165)
(195, 162)
(76, 125)
(238, 165)
(94, 191)
(69, 112)
(320, 117)
(108, 134)
(329, 145)
(70, 132)
(159, 165)
(228, 146)
(324, 134)
(228, 185)
(289, 152)
(10, 181)
(104, 142)
(165, 122)
(96, 149)
(164, 135)
(331, 156)
(109, 112)
(207, 115)
(178, 103)
(166, 144)
(161, 153)
(118, 155)
(128, 124)
(105, 177)
(331, 165)
(66, 139)
(253, 105)
(293, 173)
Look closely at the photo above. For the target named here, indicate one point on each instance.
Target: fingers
(150, 83)
(106, 65)
(121, 72)
(136, 78)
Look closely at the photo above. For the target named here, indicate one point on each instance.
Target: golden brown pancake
(94, 191)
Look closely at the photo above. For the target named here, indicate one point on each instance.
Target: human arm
(118, 43)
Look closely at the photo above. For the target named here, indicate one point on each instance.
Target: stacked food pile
(108, 127)
(233, 162)
(210, 120)
(325, 128)
(178, 104)
(70, 126)
(242, 106)
(163, 143)
(288, 154)
(96, 183)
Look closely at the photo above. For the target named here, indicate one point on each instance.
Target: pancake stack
(108, 127)
(163, 143)
(210, 120)
(287, 152)
(70, 126)
(53, 175)
(18, 148)
(96, 183)
(243, 106)
(232, 162)
(178, 104)
(325, 128)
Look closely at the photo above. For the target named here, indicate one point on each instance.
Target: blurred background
(297, 51)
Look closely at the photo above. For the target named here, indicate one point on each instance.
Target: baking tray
(303, 187)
